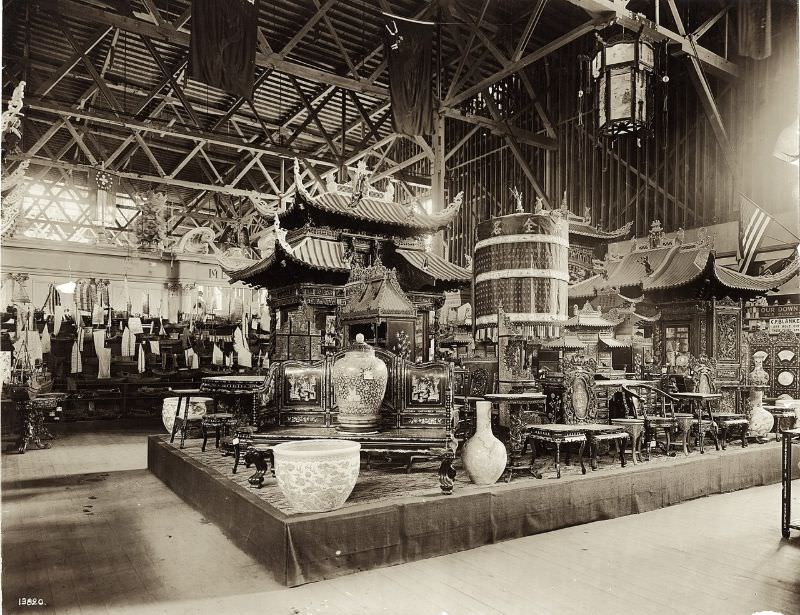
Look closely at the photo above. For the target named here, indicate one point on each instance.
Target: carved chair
(704, 371)
(580, 408)
(579, 404)
(478, 380)
(657, 408)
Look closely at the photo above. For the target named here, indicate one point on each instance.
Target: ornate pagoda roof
(661, 265)
(359, 201)
(566, 342)
(582, 226)
(375, 292)
(314, 250)
(588, 317)
(435, 266)
(323, 250)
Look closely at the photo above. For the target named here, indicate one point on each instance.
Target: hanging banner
(222, 45)
(408, 53)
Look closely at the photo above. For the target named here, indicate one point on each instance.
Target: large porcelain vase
(317, 475)
(359, 382)
(484, 456)
(761, 421)
(198, 408)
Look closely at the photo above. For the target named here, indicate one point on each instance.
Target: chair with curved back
(580, 408)
(580, 411)
(704, 370)
(658, 411)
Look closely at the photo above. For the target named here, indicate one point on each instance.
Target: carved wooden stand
(789, 436)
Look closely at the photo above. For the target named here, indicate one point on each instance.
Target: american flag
(753, 221)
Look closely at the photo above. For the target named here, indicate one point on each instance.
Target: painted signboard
(784, 324)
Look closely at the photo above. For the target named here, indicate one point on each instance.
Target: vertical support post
(437, 177)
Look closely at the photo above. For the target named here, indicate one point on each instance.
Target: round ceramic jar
(317, 475)
(198, 407)
(359, 382)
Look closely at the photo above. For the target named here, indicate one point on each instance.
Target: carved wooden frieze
(727, 337)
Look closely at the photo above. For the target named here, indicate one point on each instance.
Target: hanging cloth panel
(222, 46)
(408, 49)
(45, 340)
(755, 28)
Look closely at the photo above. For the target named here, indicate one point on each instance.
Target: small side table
(789, 436)
(220, 422)
(785, 418)
(242, 439)
(558, 435)
(730, 421)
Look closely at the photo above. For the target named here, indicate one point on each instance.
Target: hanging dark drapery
(408, 51)
(755, 28)
(223, 44)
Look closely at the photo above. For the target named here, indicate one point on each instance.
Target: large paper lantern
(623, 71)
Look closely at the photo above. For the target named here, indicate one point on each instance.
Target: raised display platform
(393, 517)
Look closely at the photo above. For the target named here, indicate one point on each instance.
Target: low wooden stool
(597, 432)
(730, 421)
(220, 422)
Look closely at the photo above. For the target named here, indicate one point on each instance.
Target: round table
(635, 430)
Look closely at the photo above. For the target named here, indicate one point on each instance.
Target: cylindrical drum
(521, 266)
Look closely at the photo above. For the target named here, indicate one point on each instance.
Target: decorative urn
(484, 456)
(359, 382)
(317, 475)
(761, 421)
(198, 408)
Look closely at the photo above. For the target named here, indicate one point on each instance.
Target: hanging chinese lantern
(623, 70)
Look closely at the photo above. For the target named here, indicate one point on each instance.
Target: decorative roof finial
(517, 199)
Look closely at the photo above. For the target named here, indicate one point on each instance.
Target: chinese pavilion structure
(327, 241)
(700, 301)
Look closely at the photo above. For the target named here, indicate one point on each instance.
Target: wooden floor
(88, 529)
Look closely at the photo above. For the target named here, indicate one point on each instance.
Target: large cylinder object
(521, 267)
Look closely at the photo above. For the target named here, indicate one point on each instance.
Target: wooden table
(789, 436)
(619, 382)
(696, 402)
(785, 418)
(510, 416)
(244, 388)
(32, 418)
(558, 435)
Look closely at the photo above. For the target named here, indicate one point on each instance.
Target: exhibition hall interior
(408, 307)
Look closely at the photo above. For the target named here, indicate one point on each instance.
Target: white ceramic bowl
(198, 408)
(317, 475)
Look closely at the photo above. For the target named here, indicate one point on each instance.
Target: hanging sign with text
(776, 325)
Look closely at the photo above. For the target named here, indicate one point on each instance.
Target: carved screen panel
(726, 337)
(303, 394)
(427, 393)
(785, 365)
